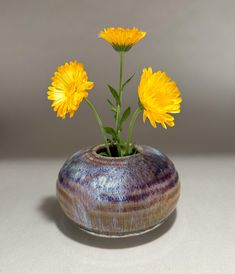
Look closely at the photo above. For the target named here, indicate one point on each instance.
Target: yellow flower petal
(122, 39)
(68, 88)
(159, 96)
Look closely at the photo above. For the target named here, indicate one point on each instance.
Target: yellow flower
(158, 95)
(68, 88)
(122, 39)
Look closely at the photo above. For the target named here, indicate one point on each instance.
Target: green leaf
(123, 147)
(114, 93)
(111, 131)
(122, 144)
(104, 154)
(112, 106)
(125, 115)
(128, 80)
(110, 103)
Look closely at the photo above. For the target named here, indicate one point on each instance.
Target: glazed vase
(118, 196)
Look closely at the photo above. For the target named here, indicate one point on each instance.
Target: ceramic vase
(118, 196)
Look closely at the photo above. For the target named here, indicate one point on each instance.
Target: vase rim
(95, 148)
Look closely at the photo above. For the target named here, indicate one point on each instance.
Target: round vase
(118, 196)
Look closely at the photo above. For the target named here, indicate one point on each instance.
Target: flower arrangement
(159, 96)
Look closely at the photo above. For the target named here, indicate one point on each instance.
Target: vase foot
(131, 234)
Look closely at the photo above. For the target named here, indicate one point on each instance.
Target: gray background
(194, 41)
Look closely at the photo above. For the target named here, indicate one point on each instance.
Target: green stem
(100, 125)
(119, 105)
(130, 129)
(121, 75)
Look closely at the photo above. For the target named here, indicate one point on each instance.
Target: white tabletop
(35, 237)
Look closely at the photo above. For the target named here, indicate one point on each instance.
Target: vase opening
(102, 151)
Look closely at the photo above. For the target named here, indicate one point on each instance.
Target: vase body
(118, 196)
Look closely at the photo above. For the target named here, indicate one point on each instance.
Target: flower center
(72, 88)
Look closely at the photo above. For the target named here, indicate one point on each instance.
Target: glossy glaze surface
(118, 196)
